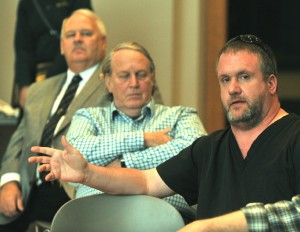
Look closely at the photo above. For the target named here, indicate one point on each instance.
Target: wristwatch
(122, 161)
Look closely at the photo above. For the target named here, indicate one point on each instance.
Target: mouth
(134, 95)
(78, 49)
(236, 103)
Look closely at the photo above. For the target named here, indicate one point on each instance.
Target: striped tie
(51, 124)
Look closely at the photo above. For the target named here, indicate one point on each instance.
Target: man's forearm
(116, 180)
(233, 222)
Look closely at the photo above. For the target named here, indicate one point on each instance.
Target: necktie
(51, 124)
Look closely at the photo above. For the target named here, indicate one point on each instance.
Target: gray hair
(100, 24)
(106, 64)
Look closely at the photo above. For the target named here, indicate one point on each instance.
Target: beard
(250, 117)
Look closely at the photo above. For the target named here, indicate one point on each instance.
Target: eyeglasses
(251, 39)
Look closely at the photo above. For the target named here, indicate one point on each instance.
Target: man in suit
(37, 52)
(23, 196)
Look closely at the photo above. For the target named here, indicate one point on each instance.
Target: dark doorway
(276, 22)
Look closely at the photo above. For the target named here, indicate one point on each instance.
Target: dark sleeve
(24, 48)
(59, 66)
(77, 4)
(180, 174)
(296, 157)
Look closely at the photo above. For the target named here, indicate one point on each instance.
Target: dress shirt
(103, 134)
(281, 216)
(85, 75)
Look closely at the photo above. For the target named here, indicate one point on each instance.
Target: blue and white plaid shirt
(103, 134)
(278, 217)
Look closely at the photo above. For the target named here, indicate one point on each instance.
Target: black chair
(109, 213)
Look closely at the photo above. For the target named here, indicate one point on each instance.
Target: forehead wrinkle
(231, 61)
(129, 61)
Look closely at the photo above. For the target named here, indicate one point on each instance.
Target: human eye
(224, 79)
(86, 33)
(141, 75)
(123, 76)
(244, 77)
(70, 34)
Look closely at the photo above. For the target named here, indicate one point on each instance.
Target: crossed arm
(102, 140)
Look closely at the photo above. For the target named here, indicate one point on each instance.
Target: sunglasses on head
(250, 39)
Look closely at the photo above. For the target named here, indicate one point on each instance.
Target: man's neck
(80, 67)
(245, 138)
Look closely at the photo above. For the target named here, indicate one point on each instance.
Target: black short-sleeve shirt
(212, 172)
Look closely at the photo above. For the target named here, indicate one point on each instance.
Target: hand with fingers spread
(10, 199)
(67, 164)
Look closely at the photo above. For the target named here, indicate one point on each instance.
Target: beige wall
(7, 27)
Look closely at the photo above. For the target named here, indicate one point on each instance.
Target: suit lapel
(53, 87)
(82, 100)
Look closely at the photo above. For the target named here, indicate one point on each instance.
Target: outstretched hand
(68, 164)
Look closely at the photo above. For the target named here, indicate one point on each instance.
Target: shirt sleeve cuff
(256, 216)
(8, 177)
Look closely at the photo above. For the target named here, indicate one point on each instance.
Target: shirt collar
(146, 110)
(85, 75)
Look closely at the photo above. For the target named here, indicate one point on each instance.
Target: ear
(153, 79)
(272, 84)
(104, 43)
(61, 48)
(108, 83)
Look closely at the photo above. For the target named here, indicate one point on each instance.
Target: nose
(78, 36)
(133, 81)
(234, 87)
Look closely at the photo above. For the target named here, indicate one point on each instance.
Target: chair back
(114, 213)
